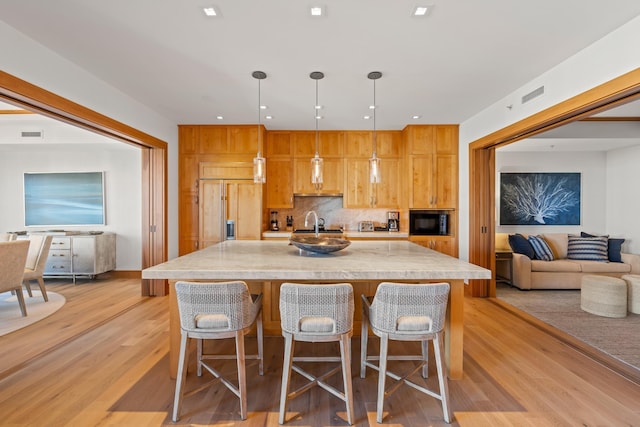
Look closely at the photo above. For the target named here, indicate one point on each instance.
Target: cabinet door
(279, 183)
(333, 176)
(244, 206)
(211, 212)
(388, 190)
(84, 255)
(421, 181)
(445, 185)
(357, 186)
(444, 244)
(214, 139)
(244, 139)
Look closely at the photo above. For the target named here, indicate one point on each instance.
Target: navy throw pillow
(614, 248)
(520, 245)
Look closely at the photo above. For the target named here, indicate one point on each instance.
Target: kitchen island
(264, 265)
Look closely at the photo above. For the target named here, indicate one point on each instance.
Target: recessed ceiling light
(263, 107)
(268, 117)
(318, 107)
(317, 11)
(219, 117)
(416, 117)
(319, 117)
(210, 11)
(366, 117)
(372, 107)
(422, 10)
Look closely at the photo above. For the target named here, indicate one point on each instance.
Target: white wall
(32, 62)
(606, 59)
(591, 165)
(623, 197)
(122, 166)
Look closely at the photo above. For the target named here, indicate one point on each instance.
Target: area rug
(619, 338)
(11, 318)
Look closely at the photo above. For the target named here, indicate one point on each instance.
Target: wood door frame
(618, 91)
(154, 161)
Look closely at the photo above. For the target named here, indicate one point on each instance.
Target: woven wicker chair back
(394, 300)
(13, 256)
(298, 301)
(231, 299)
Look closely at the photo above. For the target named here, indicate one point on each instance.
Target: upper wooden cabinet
(360, 193)
(278, 144)
(433, 165)
(330, 143)
(360, 144)
(333, 177)
(279, 184)
(240, 139)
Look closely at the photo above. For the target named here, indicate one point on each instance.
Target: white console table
(81, 255)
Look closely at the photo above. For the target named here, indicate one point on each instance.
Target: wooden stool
(604, 296)
(633, 292)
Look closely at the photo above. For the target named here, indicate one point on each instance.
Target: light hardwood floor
(102, 360)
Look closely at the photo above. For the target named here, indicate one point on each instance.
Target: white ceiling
(461, 58)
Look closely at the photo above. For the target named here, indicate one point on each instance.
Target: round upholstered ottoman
(633, 292)
(603, 295)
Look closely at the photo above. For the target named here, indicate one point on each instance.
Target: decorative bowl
(321, 245)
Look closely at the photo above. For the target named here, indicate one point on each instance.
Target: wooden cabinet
(445, 244)
(204, 144)
(433, 166)
(279, 184)
(333, 177)
(237, 200)
(359, 192)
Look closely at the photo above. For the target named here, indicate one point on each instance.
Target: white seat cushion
(212, 321)
(414, 323)
(317, 324)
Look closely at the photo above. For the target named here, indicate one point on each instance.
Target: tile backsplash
(330, 208)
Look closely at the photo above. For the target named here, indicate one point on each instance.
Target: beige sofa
(563, 273)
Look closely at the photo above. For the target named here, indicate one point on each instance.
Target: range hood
(317, 194)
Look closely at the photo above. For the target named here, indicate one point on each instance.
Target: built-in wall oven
(428, 222)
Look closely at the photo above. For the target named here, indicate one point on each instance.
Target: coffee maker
(393, 221)
(274, 221)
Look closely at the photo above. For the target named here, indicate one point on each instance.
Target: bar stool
(406, 312)
(212, 311)
(316, 313)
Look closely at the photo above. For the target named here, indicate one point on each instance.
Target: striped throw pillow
(588, 248)
(541, 248)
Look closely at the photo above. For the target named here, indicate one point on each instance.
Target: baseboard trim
(125, 274)
(621, 368)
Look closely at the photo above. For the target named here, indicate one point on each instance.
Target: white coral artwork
(540, 198)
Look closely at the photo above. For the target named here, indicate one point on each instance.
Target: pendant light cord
(375, 107)
(315, 108)
(259, 123)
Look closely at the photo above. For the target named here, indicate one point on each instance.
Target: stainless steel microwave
(428, 223)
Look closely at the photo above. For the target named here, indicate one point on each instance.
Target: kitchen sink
(322, 230)
(321, 245)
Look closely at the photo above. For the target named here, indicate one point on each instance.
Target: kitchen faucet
(306, 221)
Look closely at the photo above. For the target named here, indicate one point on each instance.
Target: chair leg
(442, 379)
(181, 377)
(260, 334)
(43, 290)
(345, 353)
(27, 286)
(23, 305)
(286, 375)
(425, 357)
(364, 341)
(242, 374)
(199, 350)
(382, 375)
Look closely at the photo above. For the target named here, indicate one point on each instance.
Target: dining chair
(214, 311)
(13, 256)
(316, 313)
(36, 262)
(406, 312)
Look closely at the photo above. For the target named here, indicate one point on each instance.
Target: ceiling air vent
(528, 97)
(32, 134)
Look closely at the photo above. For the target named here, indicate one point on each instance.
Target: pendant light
(316, 161)
(259, 162)
(374, 161)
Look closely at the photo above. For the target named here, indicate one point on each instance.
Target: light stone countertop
(346, 234)
(277, 260)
